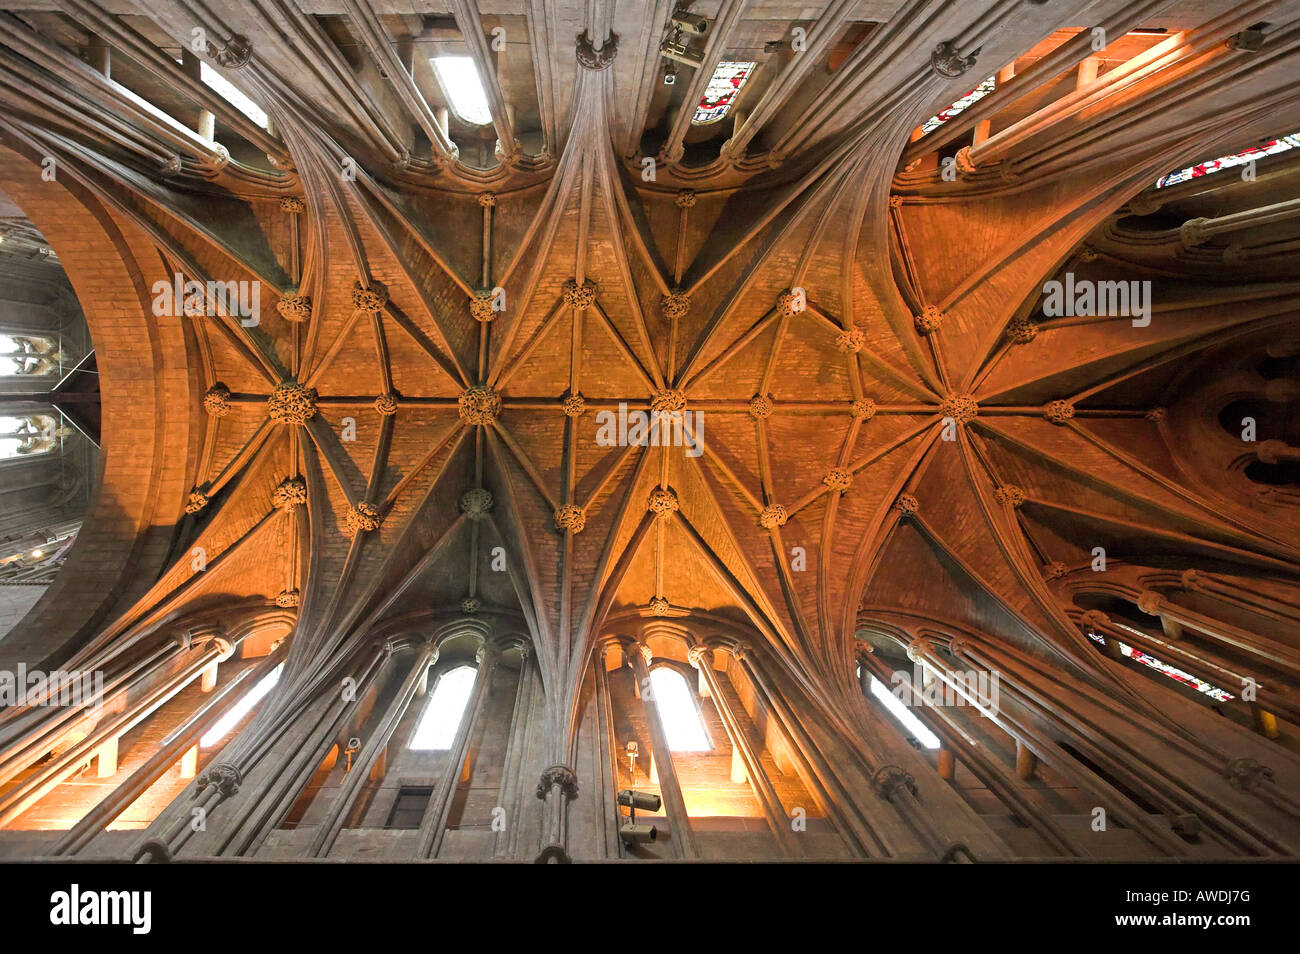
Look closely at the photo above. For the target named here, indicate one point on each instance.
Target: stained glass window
(459, 79)
(232, 94)
(677, 711)
(1270, 148)
(443, 714)
(903, 714)
(970, 99)
(720, 95)
(1173, 672)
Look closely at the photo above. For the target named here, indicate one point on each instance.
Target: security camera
(691, 23)
(642, 800)
(670, 74)
(638, 834)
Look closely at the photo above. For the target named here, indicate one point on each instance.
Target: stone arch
(147, 392)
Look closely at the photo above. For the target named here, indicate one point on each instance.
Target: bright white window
(903, 714)
(460, 82)
(27, 354)
(25, 435)
(232, 94)
(443, 714)
(720, 95)
(241, 708)
(678, 713)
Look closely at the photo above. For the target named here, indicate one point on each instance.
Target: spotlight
(642, 800)
(691, 23)
(630, 831)
(638, 834)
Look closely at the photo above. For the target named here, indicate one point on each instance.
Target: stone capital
(1192, 232)
(1247, 774)
(487, 655)
(1150, 602)
(1094, 620)
(222, 776)
(236, 53)
(948, 61)
(561, 777)
(889, 780)
(699, 656)
(590, 58)
(919, 648)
